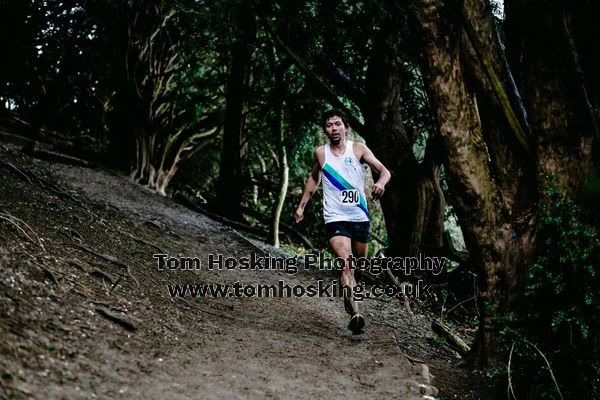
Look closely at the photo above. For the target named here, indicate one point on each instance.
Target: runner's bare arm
(312, 183)
(377, 166)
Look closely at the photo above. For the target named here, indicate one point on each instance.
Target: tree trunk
(413, 205)
(283, 186)
(487, 171)
(560, 105)
(278, 131)
(560, 92)
(490, 239)
(230, 186)
(504, 121)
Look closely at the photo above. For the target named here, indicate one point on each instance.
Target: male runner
(344, 205)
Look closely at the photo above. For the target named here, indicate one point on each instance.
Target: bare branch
(304, 66)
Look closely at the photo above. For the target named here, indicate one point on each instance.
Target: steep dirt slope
(85, 310)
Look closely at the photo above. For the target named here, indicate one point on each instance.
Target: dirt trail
(56, 344)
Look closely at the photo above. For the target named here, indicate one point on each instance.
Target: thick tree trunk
(487, 178)
(562, 116)
(504, 120)
(560, 92)
(584, 32)
(490, 239)
(230, 184)
(413, 203)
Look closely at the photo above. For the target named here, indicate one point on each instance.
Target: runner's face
(335, 129)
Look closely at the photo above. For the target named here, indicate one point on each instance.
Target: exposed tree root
(116, 317)
(111, 259)
(33, 179)
(397, 283)
(197, 307)
(154, 246)
(48, 273)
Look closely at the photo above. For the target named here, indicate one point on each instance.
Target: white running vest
(343, 187)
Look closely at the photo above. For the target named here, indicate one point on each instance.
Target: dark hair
(334, 113)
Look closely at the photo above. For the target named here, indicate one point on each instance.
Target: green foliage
(49, 346)
(103, 74)
(51, 65)
(96, 74)
(175, 276)
(438, 341)
(561, 314)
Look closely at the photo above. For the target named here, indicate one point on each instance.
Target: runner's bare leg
(342, 248)
(360, 250)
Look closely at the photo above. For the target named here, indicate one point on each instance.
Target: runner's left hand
(377, 190)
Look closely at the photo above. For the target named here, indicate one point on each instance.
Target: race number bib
(350, 197)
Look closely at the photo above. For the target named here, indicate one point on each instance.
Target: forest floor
(85, 310)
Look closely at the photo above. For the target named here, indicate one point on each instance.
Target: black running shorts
(357, 231)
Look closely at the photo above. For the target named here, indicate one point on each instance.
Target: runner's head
(334, 113)
(335, 126)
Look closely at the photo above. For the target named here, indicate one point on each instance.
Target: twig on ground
(153, 224)
(73, 234)
(18, 171)
(453, 339)
(74, 282)
(71, 289)
(114, 284)
(461, 303)
(102, 275)
(48, 273)
(16, 222)
(411, 358)
(79, 265)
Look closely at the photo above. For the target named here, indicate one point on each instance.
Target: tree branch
(515, 116)
(304, 66)
(340, 79)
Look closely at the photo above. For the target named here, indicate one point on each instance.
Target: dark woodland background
(486, 114)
